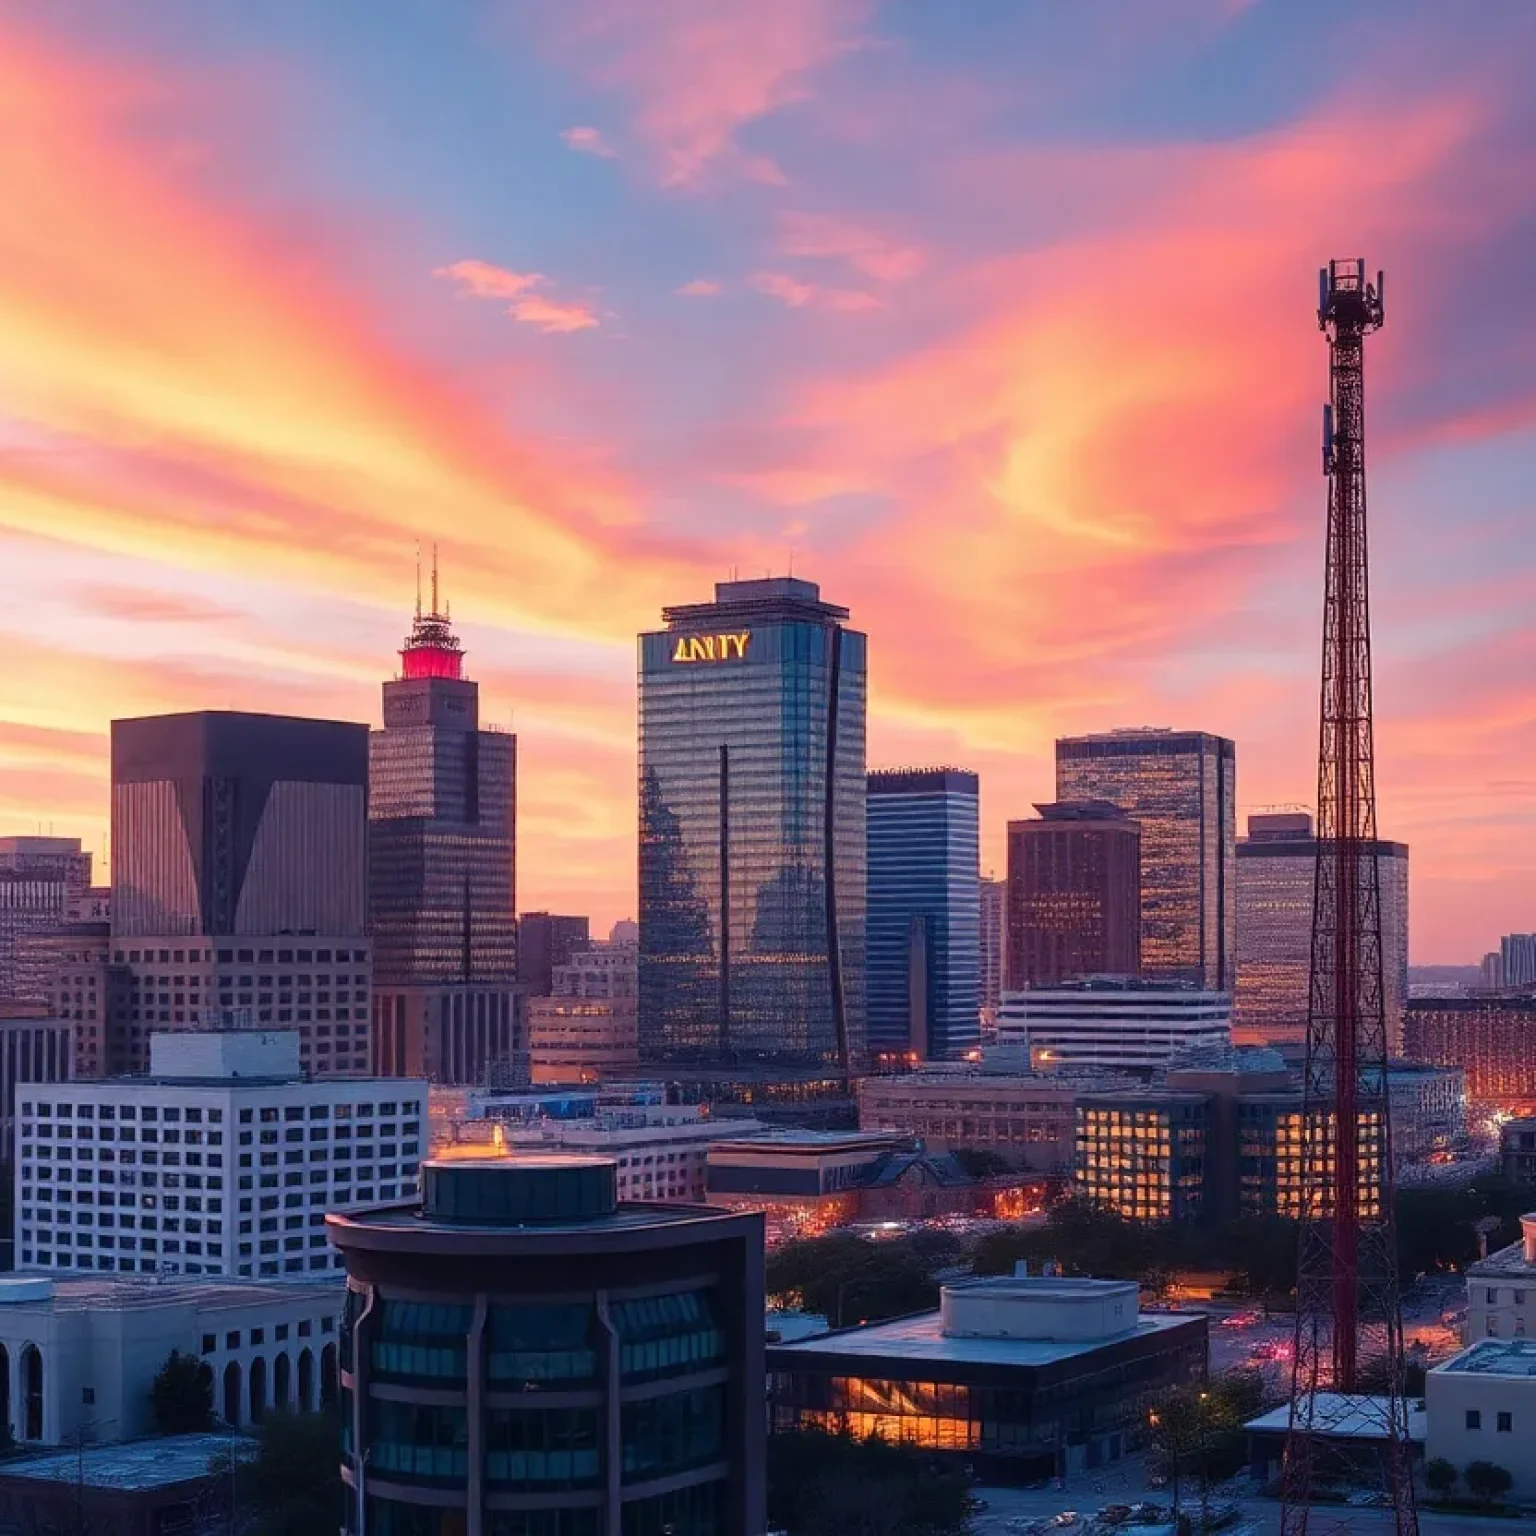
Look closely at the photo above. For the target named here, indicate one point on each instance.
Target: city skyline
(300, 351)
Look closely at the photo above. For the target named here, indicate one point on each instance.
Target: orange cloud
(550, 316)
(484, 280)
(699, 288)
(873, 254)
(797, 295)
(143, 605)
(698, 71)
(589, 141)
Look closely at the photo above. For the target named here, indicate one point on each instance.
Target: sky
(996, 318)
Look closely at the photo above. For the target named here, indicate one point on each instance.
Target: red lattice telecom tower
(1347, 1381)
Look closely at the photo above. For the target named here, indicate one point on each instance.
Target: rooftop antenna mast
(1347, 1369)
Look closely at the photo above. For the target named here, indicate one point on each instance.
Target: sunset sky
(995, 316)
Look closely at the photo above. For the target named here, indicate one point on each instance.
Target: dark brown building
(1492, 1037)
(1074, 894)
(523, 1353)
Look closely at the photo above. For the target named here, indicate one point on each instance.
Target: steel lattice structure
(1347, 1381)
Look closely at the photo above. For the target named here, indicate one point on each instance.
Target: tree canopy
(181, 1395)
(848, 1279)
(292, 1485)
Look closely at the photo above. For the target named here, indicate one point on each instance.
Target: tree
(846, 1279)
(181, 1395)
(1440, 1475)
(292, 1485)
(981, 1162)
(1486, 1481)
(822, 1484)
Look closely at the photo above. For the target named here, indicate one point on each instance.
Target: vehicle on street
(1065, 1518)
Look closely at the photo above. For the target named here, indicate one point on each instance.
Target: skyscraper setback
(1180, 786)
(442, 803)
(752, 830)
(923, 935)
(1074, 894)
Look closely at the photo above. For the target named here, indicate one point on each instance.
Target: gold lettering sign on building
(712, 647)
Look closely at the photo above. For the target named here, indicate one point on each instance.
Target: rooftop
(26, 1290)
(921, 1337)
(1349, 1418)
(134, 1466)
(1493, 1357)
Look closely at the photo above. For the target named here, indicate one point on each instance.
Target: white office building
(1481, 1406)
(222, 1161)
(1114, 1023)
(78, 1355)
(1501, 1290)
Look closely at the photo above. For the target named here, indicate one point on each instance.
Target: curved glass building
(522, 1355)
(752, 853)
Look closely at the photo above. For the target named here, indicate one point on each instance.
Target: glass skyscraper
(441, 869)
(923, 934)
(752, 853)
(1181, 787)
(1276, 869)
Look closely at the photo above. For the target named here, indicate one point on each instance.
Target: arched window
(306, 1381)
(32, 1393)
(232, 1414)
(258, 1390)
(282, 1382)
(327, 1375)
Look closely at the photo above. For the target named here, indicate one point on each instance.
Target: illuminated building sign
(712, 647)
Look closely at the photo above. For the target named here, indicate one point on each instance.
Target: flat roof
(1348, 1418)
(133, 1466)
(91, 1295)
(1042, 1287)
(921, 1337)
(1493, 1357)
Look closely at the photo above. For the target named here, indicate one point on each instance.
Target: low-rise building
(222, 1161)
(1501, 1290)
(587, 1030)
(1028, 1119)
(78, 1356)
(1020, 1377)
(1517, 1150)
(1115, 1023)
(1481, 1406)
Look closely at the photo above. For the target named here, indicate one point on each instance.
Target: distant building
(923, 925)
(1481, 1406)
(592, 1366)
(35, 1050)
(1180, 787)
(587, 1030)
(1027, 1120)
(1020, 1378)
(1491, 971)
(1501, 1290)
(1074, 895)
(547, 940)
(993, 895)
(239, 877)
(80, 1354)
(188, 1201)
(442, 808)
(1492, 1038)
(86, 988)
(1276, 872)
(1517, 956)
(40, 877)
(752, 831)
(1517, 1150)
(1116, 1022)
(48, 858)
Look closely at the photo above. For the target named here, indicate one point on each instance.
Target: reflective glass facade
(923, 930)
(1181, 787)
(752, 830)
(1275, 878)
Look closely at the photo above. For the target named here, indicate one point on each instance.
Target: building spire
(432, 649)
(418, 581)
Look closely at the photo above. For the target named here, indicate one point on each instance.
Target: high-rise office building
(993, 894)
(1517, 956)
(1074, 894)
(1276, 870)
(1491, 971)
(923, 928)
(586, 1030)
(546, 941)
(1180, 786)
(40, 877)
(523, 1353)
(239, 880)
(752, 840)
(441, 867)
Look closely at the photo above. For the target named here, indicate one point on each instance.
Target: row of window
(1504, 1422)
(243, 957)
(304, 1328)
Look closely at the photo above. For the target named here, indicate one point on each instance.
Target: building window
(1474, 1418)
(1506, 1423)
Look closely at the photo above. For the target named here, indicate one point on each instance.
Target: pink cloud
(700, 288)
(552, 317)
(696, 72)
(484, 280)
(589, 141)
(867, 251)
(797, 295)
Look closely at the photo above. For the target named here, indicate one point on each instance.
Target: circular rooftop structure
(519, 1191)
